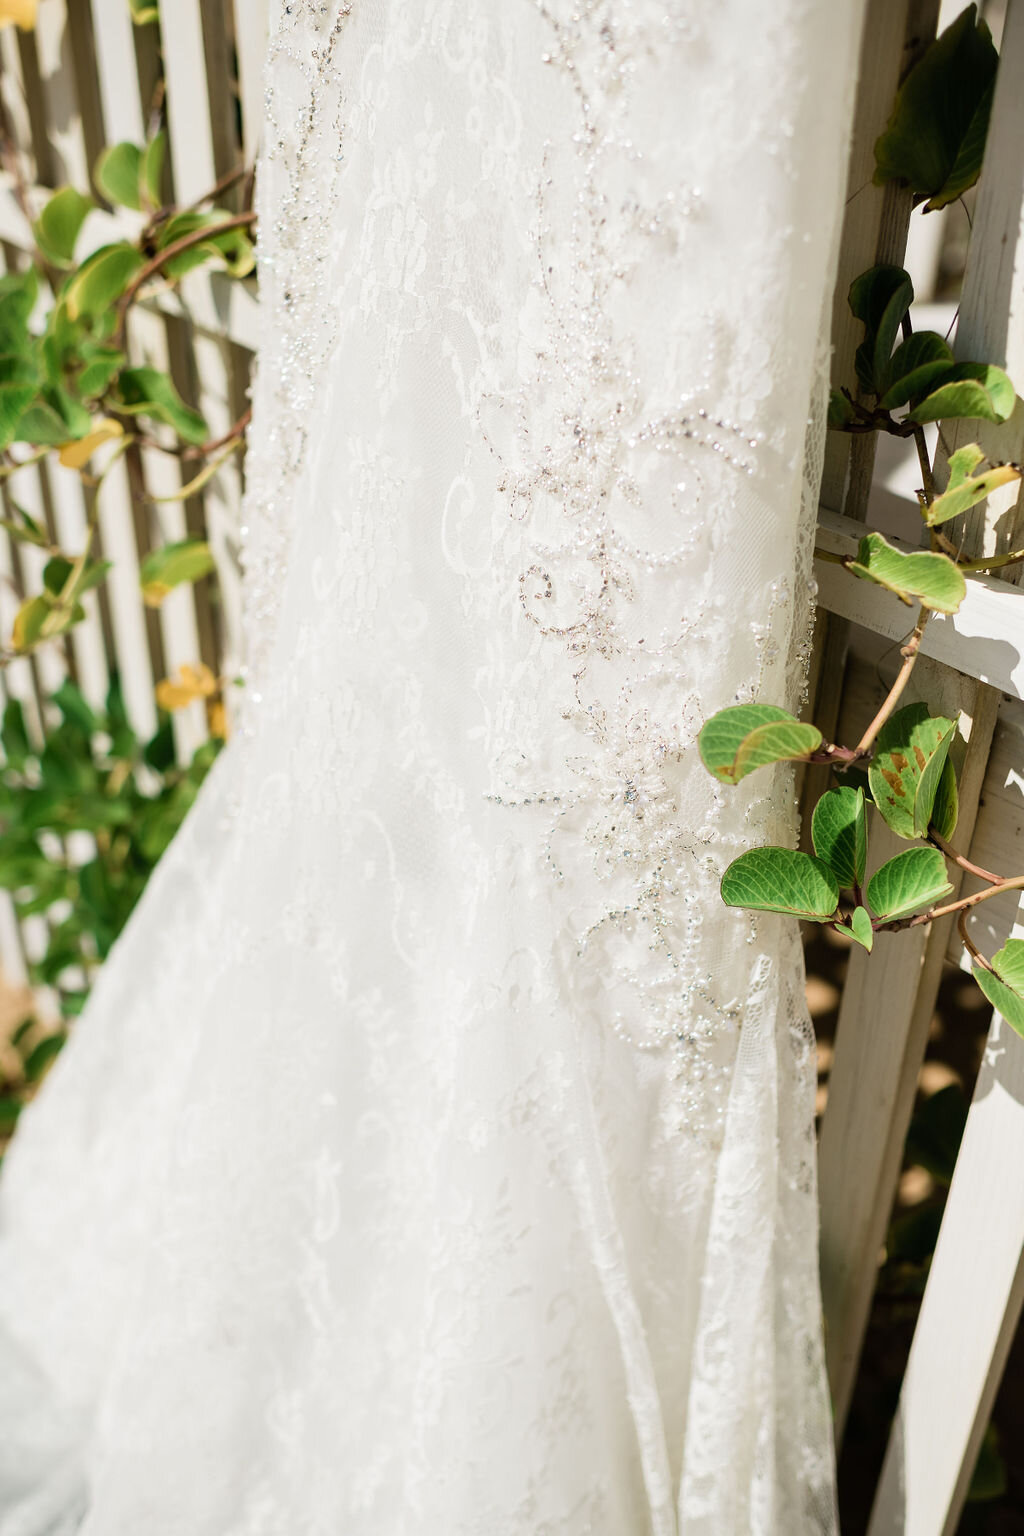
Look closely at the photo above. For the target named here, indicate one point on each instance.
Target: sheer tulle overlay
(435, 1155)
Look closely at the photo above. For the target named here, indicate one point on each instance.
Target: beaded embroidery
(582, 438)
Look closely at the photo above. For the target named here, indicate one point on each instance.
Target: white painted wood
(881, 1035)
(251, 41)
(973, 1296)
(57, 76)
(984, 640)
(113, 30)
(969, 1314)
(188, 117)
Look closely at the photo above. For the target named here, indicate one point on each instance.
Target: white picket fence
(974, 669)
(86, 77)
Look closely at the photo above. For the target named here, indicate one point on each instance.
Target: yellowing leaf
(192, 683)
(217, 720)
(77, 453)
(23, 12)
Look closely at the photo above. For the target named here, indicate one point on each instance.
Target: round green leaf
(880, 298)
(101, 280)
(839, 833)
(909, 882)
(781, 880)
(859, 928)
(747, 736)
(904, 773)
(118, 174)
(930, 578)
(934, 139)
(976, 391)
(164, 569)
(1003, 999)
(1009, 964)
(153, 168)
(915, 368)
(59, 224)
(19, 383)
(148, 392)
(965, 488)
(946, 809)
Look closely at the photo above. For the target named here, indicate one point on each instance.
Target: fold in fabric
(435, 1155)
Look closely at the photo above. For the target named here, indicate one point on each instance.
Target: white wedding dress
(435, 1156)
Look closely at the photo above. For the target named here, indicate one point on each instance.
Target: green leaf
(904, 773)
(14, 734)
(19, 383)
(946, 809)
(974, 391)
(880, 298)
(1003, 998)
(19, 292)
(152, 173)
(148, 392)
(859, 928)
(144, 11)
(965, 489)
(118, 174)
(43, 1056)
(234, 248)
(840, 410)
(101, 280)
(100, 367)
(24, 527)
(28, 623)
(930, 578)
(781, 880)
(839, 833)
(736, 741)
(1008, 963)
(75, 708)
(967, 165)
(912, 880)
(935, 138)
(166, 568)
(59, 224)
(916, 367)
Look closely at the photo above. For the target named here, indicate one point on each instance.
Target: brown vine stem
(971, 948)
(233, 434)
(928, 479)
(964, 863)
(964, 905)
(909, 652)
(993, 562)
(176, 248)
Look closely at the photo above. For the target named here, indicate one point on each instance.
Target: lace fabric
(435, 1155)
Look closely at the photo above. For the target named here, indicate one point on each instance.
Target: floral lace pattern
(435, 1156)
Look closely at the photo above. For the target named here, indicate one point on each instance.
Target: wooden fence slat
(251, 42)
(881, 1036)
(984, 640)
(969, 1314)
(874, 229)
(116, 67)
(973, 1296)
